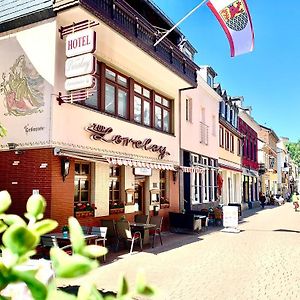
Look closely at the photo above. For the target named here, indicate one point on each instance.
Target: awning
(79, 155)
(191, 169)
(115, 160)
(139, 163)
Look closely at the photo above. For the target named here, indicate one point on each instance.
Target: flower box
(82, 214)
(164, 205)
(118, 210)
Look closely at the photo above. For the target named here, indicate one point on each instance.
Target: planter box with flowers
(116, 208)
(84, 210)
(164, 202)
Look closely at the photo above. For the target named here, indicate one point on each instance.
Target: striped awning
(139, 163)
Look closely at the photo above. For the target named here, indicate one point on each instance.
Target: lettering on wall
(100, 133)
(29, 129)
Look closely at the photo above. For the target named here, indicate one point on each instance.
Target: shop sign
(80, 82)
(80, 65)
(143, 171)
(230, 218)
(81, 42)
(100, 133)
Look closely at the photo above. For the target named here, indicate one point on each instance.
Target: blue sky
(268, 77)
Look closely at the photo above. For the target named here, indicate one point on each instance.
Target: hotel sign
(80, 65)
(78, 83)
(102, 133)
(81, 42)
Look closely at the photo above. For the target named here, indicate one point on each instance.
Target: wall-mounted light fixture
(65, 167)
(12, 146)
(174, 175)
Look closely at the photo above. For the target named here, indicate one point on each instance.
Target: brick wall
(20, 179)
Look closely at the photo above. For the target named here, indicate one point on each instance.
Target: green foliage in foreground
(294, 150)
(20, 239)
(3, 131)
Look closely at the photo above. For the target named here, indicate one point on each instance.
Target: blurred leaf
(12, 219)
(94, 251)
(60, 295)
(67, 266)
(38, 290)
(5, 201)
(88, 291)
(2, 226)
(141, 287)
(123, 287)
(19, 239)
(35, 206)
(44, 226)
(76, 234)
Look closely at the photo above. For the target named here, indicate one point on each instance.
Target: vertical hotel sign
(80, 63)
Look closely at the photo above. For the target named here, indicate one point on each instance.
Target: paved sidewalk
(260, 262)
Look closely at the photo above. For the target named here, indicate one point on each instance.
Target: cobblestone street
(261, 262)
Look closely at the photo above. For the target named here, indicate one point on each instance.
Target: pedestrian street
(260, 262)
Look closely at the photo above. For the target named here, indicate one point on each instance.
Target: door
(139, 194)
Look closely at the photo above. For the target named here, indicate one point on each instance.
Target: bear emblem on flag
(235, 15)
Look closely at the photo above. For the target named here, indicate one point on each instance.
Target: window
(222, 109)
(162, 112)
(142, 105)
(111, 95)
(238, 147)
(221, 136)
(114, 187)
(188, 109)
(210, 80)
(116, 91)
(227, 141)
(82, 183)
(232, 143)
(213, 125)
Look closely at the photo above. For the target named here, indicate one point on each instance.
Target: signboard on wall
(81, 42)
(80, 65)
(142, 171)
(80, 82)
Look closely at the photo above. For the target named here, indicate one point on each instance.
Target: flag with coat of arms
(234, 17)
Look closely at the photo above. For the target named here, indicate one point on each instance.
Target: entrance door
(139, 193)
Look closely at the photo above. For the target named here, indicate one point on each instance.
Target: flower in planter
(79, 206)
(164, 200)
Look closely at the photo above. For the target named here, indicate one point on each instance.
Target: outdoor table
(144, 229)
(60, 236)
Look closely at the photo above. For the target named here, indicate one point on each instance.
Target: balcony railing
(124, 19)
(203, 133)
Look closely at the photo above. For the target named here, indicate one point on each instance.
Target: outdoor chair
(157, 220)
(101, 236)
(86, 229)
(124, 234)
(47, 242)
(141, 219)
(111, 234)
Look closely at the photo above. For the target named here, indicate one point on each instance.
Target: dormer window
(210, 80)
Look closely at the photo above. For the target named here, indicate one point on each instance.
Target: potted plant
(116, 207)
(84, 209)
(164, 202)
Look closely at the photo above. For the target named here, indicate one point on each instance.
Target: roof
(270, 130)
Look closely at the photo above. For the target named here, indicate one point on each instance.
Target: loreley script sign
(102, 133)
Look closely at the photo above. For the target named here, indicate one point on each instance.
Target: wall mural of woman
(22, 87)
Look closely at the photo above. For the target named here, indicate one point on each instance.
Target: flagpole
(158, 41)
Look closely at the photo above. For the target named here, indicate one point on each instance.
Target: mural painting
(22, 88)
